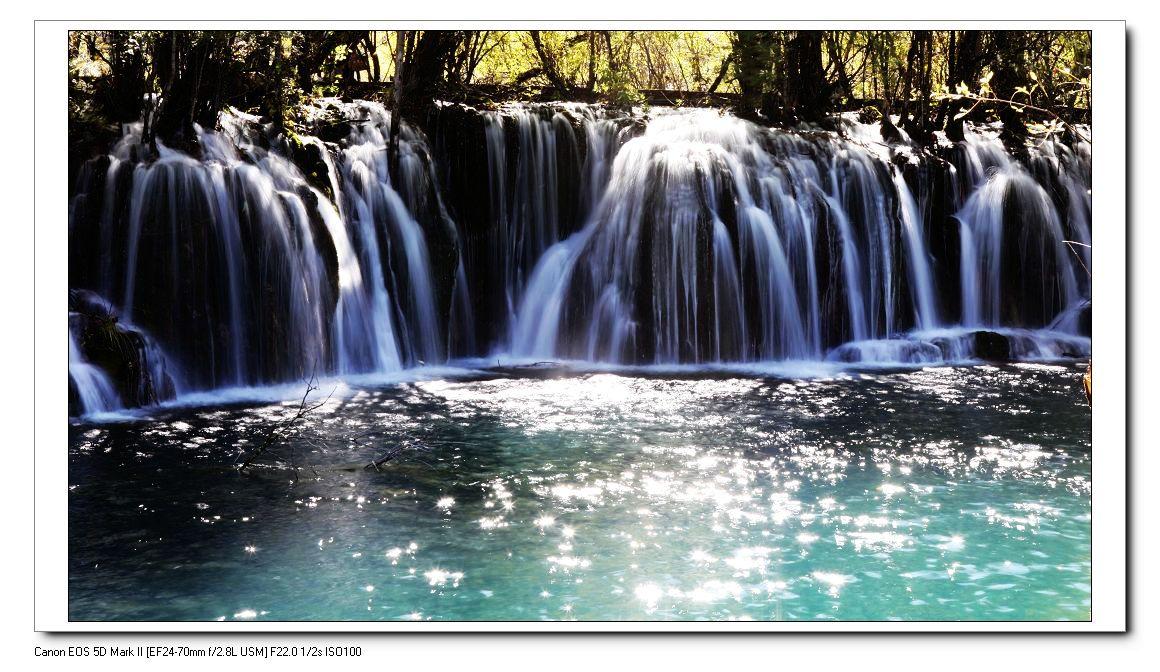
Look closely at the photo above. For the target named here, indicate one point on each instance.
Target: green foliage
(619, 89)
(272, 72)
(1030, 97)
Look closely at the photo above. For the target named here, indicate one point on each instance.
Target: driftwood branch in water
(282, 430)
(375, 465)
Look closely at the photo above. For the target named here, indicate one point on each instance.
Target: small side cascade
(112, 363)
(93, 387)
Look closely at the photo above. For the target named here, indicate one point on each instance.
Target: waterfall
(688, 236)
(537, 330)
(393, 242)
(524, 196)
(1048, 281)
(723, 220)
(852, 266)
(982, 237)
(921, 283)
(279, 280)
(856, 182)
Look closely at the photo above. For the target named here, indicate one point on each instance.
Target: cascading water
(247, 271)
(926, 315)
(94, 388)
(363, 326)
(707, 248)
(688, 237)
(393, 244)
(111, 363)
(539, 188)
(1003, 192)
(201, 242)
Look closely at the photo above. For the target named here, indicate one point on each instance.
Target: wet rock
(991, 346)
(954, 129)
(324, 242)
(869, 115)
(1085, 321)
(309, 159)
(887, 352)
(832, 124)
(1015, 133)
(890, 132)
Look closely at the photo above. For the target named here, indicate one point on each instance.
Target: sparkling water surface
(946, 493)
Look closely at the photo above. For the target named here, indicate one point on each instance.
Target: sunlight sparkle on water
(833, 581)
(440, 577)
(640, 502)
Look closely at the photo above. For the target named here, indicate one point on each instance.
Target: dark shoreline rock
(991, 346)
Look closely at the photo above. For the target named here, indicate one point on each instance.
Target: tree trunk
(397, 108)
(839, 66)
(806, 94)
(591, 61)
(720, 73)
(752, 59)
(548, 65)
(189, 97)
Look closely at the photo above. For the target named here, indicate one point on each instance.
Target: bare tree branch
(283, 430)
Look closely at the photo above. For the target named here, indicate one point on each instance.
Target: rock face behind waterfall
(517, 181)
(572, 231)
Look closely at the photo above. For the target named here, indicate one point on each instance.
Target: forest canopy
(928, 79)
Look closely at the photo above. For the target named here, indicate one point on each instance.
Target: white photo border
(1109, 340)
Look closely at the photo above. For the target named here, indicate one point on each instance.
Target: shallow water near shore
(942, 493)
